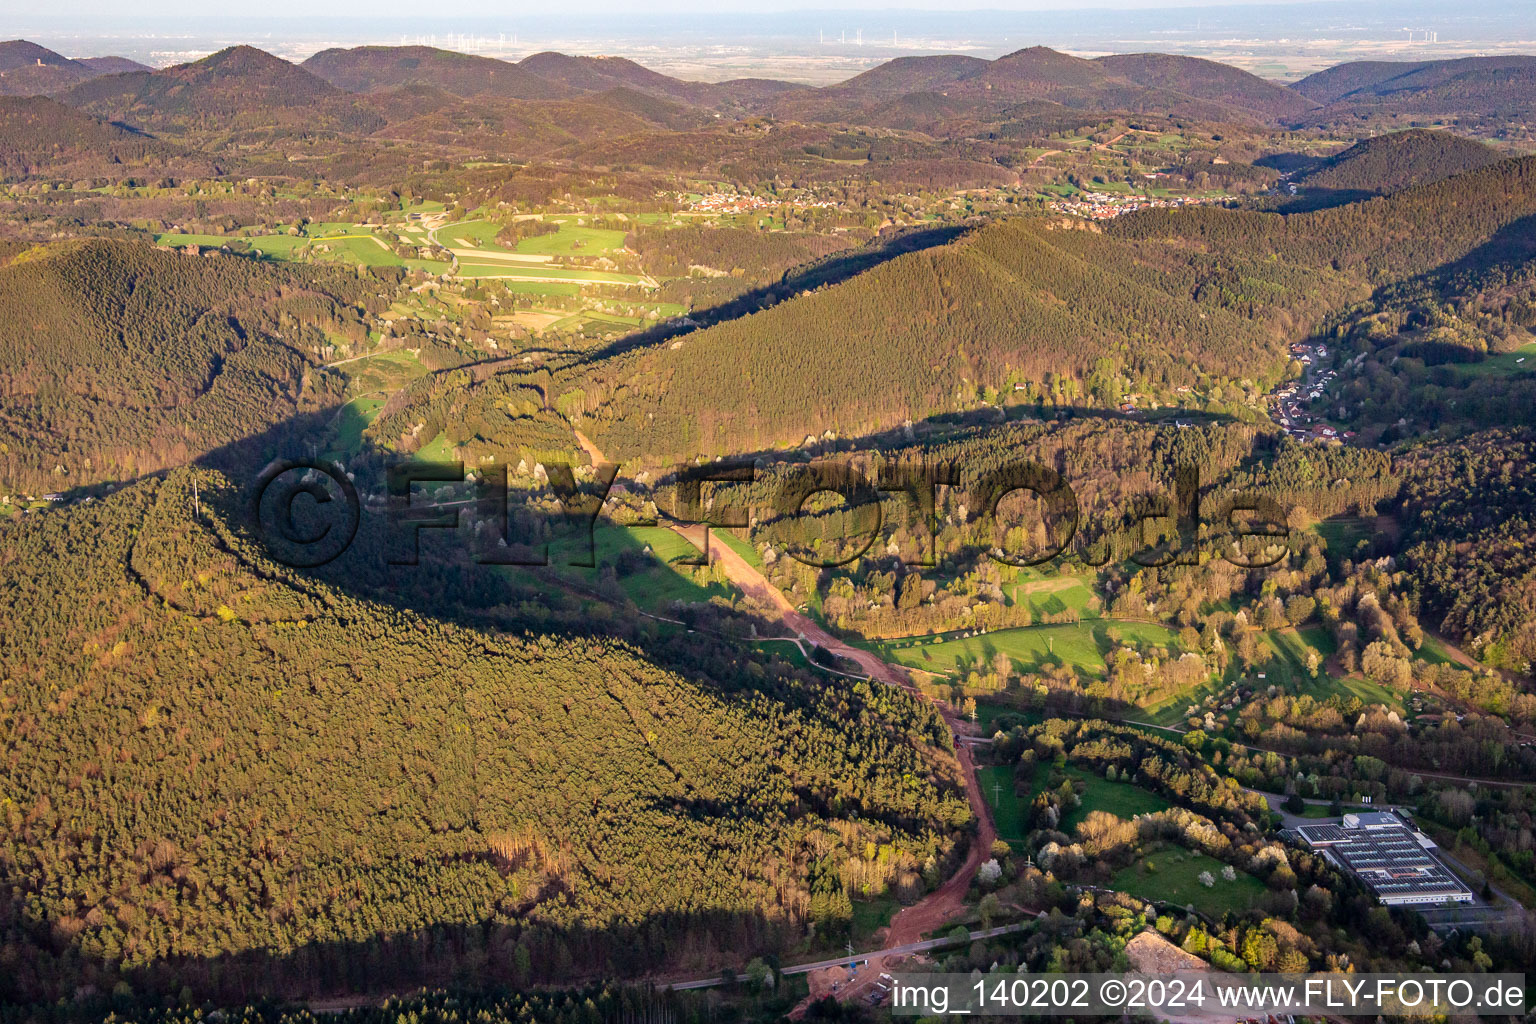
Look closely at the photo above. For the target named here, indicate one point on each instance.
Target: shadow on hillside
(1511, 245)
(944, 428)
(829, 270)
(1288, 163)
(709, 646)
(705, 649)
(1310, 199)
(482, 956)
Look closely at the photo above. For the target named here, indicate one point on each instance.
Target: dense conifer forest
(119, 360)
(224, 772)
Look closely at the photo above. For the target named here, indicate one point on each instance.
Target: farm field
(539, 272)
(573, 240)
(1172, 875)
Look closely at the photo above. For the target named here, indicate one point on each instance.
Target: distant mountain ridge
(238, 88)
(27, 69)
(341, 90)
(368, 69)
(1494, 88)
(1142, 82)
(541, 76)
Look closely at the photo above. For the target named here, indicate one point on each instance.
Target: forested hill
(41, 137)
(1392, 238)
(228, 776)
(1186, 86)
(1028, 299)
(1485, 90)
(1162, 297)
(1468, 511)
(374, 68)
(117, 359)
(239, 88)
(1388, 163)
(27, 69)
(1332, 84)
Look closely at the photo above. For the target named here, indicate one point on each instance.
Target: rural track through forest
(944, 903)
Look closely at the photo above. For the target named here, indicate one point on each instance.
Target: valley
(964, 516)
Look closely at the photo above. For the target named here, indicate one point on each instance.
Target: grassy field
(654, 587)
(541, 287)
(1518, 361)
(786, 650)
(507, 271)
(1343, 534)
(989, 711)
(573, 240)
(1053, 595)
(351, 420)
(1118, 798)
(346, 242)
(1008, 811)
(436, 450)
(1099, 794)
(386, 372)
(273, 246)
(1434, 652)
(472, 234)
(368, 250)
(1173, 876)
(747, 552)
(869, 916)
(1171, 711)
(1081, 644)
(1288, 668)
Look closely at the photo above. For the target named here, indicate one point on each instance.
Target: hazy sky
(513, 9)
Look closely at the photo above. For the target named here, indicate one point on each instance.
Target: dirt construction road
(948, 900)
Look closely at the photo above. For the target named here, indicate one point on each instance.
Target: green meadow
(1011, 813)
(1172, 875)
(1080, 644)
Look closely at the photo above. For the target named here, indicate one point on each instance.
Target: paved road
(905, 949)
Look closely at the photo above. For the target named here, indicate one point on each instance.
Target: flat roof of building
(1371, 819)
(1389, 858)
